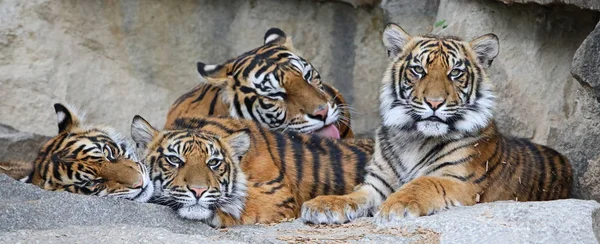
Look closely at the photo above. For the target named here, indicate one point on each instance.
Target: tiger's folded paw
(399, 207)
(331, 210)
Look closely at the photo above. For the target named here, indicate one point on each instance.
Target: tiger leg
(426, 195)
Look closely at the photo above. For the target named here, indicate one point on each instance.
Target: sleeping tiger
(90, 160)
(227, 172)
(271, 85)
(438, 146)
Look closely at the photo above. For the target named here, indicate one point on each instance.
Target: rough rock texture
(596, 223)
(29, 214)
(586, 63)
(585, 4)
(16, 145)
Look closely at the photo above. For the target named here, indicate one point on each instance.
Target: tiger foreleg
(424, 196)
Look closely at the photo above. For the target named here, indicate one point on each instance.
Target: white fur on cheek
(475, 120)
(392, 116)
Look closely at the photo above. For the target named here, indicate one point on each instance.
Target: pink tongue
(329, 131)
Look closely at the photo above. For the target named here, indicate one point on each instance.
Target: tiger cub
(438, 146)
(271, 85)
(89, 160)
(227, 172)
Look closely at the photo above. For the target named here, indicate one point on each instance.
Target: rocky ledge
(29, 214)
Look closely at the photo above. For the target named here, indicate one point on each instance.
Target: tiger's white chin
(432, 128)
(196, 212)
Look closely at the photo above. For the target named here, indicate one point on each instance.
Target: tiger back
(271, 85)
(227, 171)
(84, 159)
(438, 146)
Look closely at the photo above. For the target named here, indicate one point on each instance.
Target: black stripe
(336, 156)
(213, 102)
(388, 186)
(280, 142)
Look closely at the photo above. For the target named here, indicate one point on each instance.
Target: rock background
(116, 59)
(105, 220)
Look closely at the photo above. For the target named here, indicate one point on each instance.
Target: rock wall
(116, 59)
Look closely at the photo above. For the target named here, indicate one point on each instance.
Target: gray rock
(596, 223)
(16, 145)
(585, 4)
(31, 215)
(586, 63)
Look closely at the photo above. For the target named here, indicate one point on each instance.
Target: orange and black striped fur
(437, 146)
(227, 171)
(271, 85)
(90, 160)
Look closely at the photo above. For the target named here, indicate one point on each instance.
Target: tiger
(438, 146)
(85, 159)
(225, 171)
(271, 85)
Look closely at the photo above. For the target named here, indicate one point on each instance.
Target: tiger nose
(139, 184)
(322, 111)
(198, 191)
(434, 103)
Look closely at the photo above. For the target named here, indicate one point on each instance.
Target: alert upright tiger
(271, 85)
(438, 146)
(226, 171)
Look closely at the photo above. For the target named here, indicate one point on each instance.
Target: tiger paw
(331, 210)
(398, 208)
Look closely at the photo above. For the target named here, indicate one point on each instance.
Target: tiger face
(194, 172)
(90, 160)
(437, 85)
(276, 87)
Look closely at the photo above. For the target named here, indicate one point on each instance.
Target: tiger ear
(278, 37)
(215, 74)
(486, 48)
(142, 132)
(395, 39)
(239, 143)
(67, 118)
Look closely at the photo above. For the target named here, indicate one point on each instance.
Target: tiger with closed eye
(438, 146)
(271, 85)
(83, 159)
(226, 171)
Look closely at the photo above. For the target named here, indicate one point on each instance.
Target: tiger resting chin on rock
(85, 159)
(438, 145)
(226, 171)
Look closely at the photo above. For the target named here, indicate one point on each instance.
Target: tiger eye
(419, 69)
(455, 72)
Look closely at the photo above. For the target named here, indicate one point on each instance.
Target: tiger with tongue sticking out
(271, 85)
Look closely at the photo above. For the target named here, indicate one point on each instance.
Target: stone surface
(596, 223)
(16, 145)
(586, 63)
(29, 214)
(585, 4)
